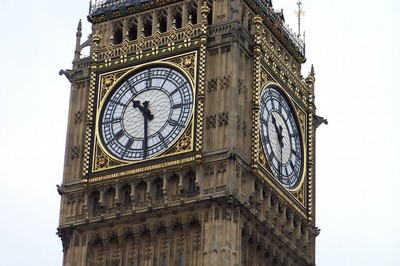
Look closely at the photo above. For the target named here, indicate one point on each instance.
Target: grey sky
(354, 46)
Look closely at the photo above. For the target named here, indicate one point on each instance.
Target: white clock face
(145, 114)
(280, 137)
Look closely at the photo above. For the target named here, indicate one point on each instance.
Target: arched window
(210, 14)
(192, 10)
(132, 33)
(159, 191)
(132, 263)
(191, 181)
(118, 36)
(141, 191)
(164, 261)
(178, 20)
(162, 21)
(147, 27)
(95, 198)
(180, 260)
(127, 196)
(96, 205)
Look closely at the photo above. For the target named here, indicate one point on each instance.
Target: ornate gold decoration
(185, 143)
(300, 194)
(302, 117)
(187, 62)
(101, 160)
(256, 91)
(143, 169)
(263, 160)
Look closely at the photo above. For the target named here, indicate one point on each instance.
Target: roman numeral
(176, 106)
(129, 143)
(113, 121)
(119, 134)
(174, 123)
(161, 137)
(173, 92)
(264, 122)
(296, 153)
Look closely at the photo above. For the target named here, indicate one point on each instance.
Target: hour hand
(278, 131)
(143, 109)
(275, 125)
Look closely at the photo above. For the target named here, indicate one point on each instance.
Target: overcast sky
(354, 46)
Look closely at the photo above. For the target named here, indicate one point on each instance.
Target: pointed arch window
(95, 201)
(162, 21)
(127, 196)
(192, 10)
(180, 260)
(132, 32)
(118, 36)
(159, 190)
(147, 28)
(178, 19)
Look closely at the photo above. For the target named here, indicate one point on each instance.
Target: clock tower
(191, 138)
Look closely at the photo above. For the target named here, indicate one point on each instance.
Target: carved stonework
(78, 117)
(244, 129)
(212, 85)
(187, 62)
(224, 82)
(242, 88)
(209, 195)
(211, 121)
(75, 152)
(103, 161)
(223, 119)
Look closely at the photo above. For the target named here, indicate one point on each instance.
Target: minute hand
(278, 131)
(147, 115)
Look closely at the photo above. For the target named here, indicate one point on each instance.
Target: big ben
(191, 138)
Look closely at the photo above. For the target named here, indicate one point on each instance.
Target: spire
(310, 79)
(78, 41)
(312, 72)
(299, 12)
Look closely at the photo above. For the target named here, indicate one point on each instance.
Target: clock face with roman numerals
(280, 137)
(146, 113)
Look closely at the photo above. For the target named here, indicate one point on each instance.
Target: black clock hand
(279, 131)
(147, 115)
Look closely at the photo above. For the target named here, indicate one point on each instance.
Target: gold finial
(96, 38)
(257, 20)
(310, 79)
(204, 10)
(299, 12)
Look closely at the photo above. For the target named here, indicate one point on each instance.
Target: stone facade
(210, 199)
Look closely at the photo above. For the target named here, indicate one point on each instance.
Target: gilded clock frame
(187, 63)
(298, 115)
(300, 194)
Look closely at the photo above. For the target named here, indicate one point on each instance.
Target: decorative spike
(312, 72)
(78, 41)
(299, 13)
(79, 29)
